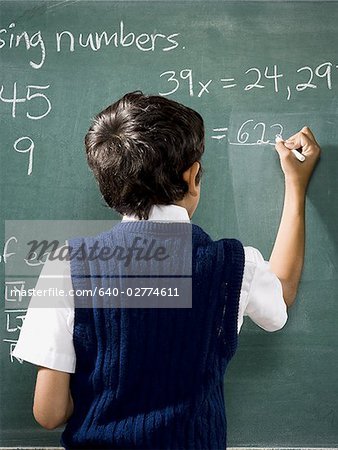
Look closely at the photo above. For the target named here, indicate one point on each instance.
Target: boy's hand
(296, 171)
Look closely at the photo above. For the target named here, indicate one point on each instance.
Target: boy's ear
(189, 176)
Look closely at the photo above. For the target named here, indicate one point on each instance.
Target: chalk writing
(251, 133)
(326, 73)
(14, 320)
(262, 79)
(12, 344)
(8, 38)
(145, 42)
(14, 287)
(5, 253)
(219, 136)
(28, 150)
(66, 40)
(30, 95)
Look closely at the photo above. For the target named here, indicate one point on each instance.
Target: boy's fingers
(308, 132)
(292, 140)
(303, 141)
(282, 150)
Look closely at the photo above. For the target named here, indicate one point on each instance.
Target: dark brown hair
(138, 149)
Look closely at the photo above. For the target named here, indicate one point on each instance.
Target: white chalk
(297, 154)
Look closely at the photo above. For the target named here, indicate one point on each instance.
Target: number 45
(31, 95)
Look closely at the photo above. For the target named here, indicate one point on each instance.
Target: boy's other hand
(294, 170)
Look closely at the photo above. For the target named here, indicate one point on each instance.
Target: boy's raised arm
(287, 256)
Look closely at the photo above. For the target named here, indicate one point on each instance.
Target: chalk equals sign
(222, 131)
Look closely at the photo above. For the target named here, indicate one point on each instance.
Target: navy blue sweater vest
(152, 378)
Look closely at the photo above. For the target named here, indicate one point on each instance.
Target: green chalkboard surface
(253, 70)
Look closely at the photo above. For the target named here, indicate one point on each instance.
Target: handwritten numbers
(268, 76)
(43, 108)
(308, 84)
(28, 150)
(326, 73)
(242, 137)
(248, 136)
(172, 78)
(324, 70)
(256, 84)
(274, 76)
(31, 96)
(14, 100)
(263, 126)
(186, 74)
(183, 75)
(281, 128)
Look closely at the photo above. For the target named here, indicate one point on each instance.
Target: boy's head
(146, 150)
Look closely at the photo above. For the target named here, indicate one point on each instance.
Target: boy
(152, 378)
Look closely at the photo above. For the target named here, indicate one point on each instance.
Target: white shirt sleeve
(261, 296)
(46, 337)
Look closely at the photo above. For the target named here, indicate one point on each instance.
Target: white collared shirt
(46, 337)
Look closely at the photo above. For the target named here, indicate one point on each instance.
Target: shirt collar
(170, 213)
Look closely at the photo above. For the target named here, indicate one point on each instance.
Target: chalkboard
(252, 69)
